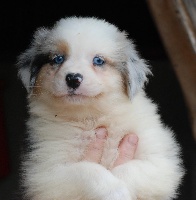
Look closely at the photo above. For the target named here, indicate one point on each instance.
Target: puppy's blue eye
(98, 61)
(58, 59)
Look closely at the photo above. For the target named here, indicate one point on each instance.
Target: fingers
(95, 149)
(127, 149)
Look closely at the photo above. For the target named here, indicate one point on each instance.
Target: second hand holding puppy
(127, 148)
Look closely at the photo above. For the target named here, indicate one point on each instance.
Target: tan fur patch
(124, 75)
(45, 75)
(46, 71)
(62, 47)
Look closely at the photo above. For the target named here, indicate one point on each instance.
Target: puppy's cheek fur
(125, 82)
(43, 81)
(115, 82)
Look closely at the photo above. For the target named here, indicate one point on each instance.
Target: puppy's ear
(24, 69)
(29, 62)
(138, 70)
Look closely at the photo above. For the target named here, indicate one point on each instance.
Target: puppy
(82, 74)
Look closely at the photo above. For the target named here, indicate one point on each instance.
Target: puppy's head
(81, 58)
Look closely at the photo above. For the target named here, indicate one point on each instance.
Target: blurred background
(18, 22)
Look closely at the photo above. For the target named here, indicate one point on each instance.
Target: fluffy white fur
(62, 121)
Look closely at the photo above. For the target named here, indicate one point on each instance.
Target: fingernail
(101, 133)
(133, 139)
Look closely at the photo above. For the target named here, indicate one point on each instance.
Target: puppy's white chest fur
(67, 139)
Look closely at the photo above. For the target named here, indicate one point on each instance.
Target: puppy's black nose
(74, 80)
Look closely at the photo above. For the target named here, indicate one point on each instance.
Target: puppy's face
(76, 73)
(81, 58)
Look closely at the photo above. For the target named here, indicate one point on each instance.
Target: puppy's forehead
(88, 34)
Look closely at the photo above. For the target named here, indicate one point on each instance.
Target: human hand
(127, 148)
